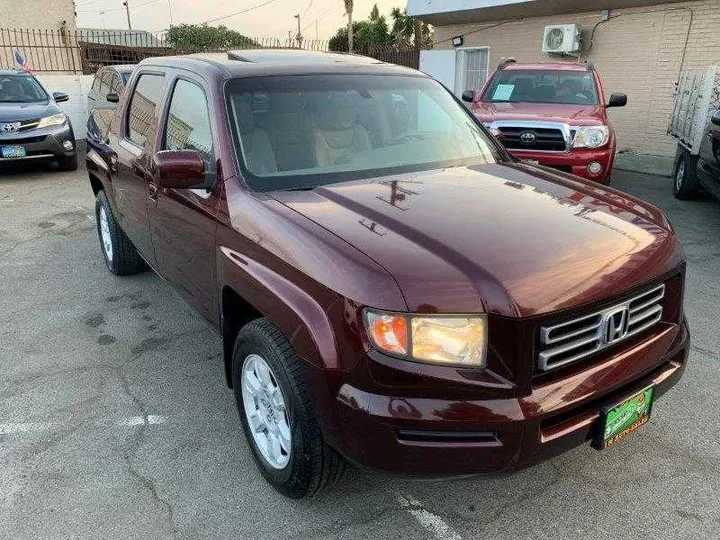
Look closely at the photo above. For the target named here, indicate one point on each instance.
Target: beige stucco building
(36, 14)
(639, 48)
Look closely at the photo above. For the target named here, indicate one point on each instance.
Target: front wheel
(277, 415)
(685, 184)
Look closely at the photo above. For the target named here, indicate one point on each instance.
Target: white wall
(440, 65)
(77, 87)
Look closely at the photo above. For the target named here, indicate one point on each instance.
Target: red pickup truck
(390, 285)
(551, 114)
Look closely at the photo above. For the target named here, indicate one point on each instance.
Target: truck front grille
(544, 139)
(573, 340)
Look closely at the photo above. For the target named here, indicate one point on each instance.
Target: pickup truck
(551, 114)
(392, 288)
(695, 124)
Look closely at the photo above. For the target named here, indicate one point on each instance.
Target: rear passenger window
(141, 112)
(188, 121)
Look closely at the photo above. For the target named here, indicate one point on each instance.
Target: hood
(14, 112)
(499, 238)
(579, 115)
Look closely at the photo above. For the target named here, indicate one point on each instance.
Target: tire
(69, 163)
(308, 465)
(121, 257)
(685, 183)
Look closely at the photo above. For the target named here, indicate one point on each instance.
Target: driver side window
(188, 121)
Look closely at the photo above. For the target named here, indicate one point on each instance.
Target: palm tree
(348, 11)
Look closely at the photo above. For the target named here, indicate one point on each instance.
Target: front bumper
(575, 162)
(46, 143)
(437, 437)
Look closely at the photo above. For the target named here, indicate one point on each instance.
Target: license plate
(13, 151)
(619, 421)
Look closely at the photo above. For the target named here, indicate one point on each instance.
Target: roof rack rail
(590, 65)
(505, 61)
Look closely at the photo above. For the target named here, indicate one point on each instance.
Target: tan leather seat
(338, 135)
(257, 150)
(289, 128)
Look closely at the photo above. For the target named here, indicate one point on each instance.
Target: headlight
(591, 137)
(54, 120)
(445, 340)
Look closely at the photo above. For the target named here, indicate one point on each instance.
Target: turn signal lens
(389, 333)
(453, 340)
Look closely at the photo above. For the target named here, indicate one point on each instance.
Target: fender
(292, 309)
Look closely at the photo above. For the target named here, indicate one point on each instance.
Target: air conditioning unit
(561, 39)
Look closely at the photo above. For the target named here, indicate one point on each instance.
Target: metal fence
(85, 51)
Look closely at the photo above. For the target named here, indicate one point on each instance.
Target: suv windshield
(302, 131)
(21, 89)
(562, 87)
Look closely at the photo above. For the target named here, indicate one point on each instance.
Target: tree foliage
(194, 37)
(376, 32)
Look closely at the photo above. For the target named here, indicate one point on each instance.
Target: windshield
(562, 87)
(302, 131)
(21, 89)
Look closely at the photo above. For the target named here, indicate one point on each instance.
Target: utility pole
(127, 12)
(299, 35)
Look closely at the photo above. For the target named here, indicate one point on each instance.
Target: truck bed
(697, 96)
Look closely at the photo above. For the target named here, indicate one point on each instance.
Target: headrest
(337, 118)
(244, 114)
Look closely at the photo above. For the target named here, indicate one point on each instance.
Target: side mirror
(112, 97)
(180, 169)
(716, 118)
(468, 96)
(59, 97)
(617, 100)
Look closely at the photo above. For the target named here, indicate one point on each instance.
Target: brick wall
(639, 52)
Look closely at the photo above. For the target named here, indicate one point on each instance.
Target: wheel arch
(251, 290)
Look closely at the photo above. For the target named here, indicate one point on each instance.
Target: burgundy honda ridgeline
(390, 285)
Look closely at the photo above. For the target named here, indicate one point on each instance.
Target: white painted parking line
(432, 523)
(30, 427)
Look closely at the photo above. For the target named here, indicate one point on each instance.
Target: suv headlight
(591, 137)
(437, 339)
(54, 120)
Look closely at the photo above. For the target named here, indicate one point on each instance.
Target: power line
(318, 17)
(118, 9)
(307, 9)
(239, 12)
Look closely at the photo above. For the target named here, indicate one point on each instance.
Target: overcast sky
(271, 20)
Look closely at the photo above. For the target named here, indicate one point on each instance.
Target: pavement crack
(133, 447)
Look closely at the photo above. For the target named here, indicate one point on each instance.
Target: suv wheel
(277, 415)
(120, 255)
(685, 184)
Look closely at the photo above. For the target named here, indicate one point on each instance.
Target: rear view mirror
(180, 169)
(468, 96)
(59, 97)
(617, 100)
(716, 118)
(112, 97)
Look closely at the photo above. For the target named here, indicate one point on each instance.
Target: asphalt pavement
(115, 420)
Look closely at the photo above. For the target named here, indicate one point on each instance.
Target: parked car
(551, 114)
(107, 87)
(390, 285)
(32, 126)
(695, 124)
